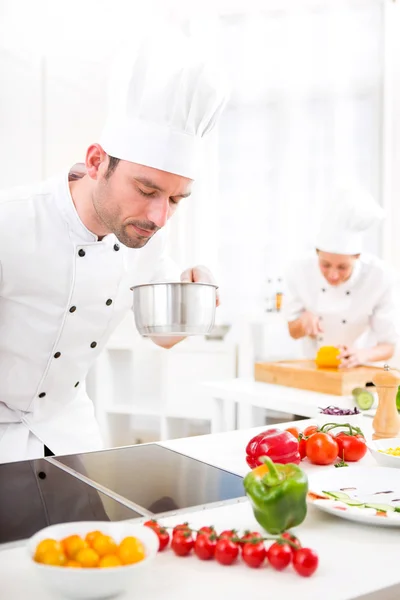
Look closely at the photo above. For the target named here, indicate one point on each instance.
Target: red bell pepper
(280, 446)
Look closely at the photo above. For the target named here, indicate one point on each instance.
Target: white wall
(305, 111)
(307, 79)
(391, 135)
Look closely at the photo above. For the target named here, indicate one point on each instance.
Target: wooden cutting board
(305, 375)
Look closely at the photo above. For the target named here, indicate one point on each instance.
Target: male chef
(72, 247)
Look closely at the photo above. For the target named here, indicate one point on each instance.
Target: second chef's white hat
(347, 215)
(165, 97)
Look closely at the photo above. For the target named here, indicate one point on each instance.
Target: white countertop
(275, 397)
(356, 561)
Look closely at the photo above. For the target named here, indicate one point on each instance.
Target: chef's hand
(310, 323)
(352, 357)
(200, 274)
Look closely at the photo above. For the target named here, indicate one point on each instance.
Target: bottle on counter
(279, 295)
(270, 299)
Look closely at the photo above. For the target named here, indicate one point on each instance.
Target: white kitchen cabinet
(140, 389)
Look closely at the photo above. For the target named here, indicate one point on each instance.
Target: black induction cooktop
(156, 478)
(35, 494)
(137, 481)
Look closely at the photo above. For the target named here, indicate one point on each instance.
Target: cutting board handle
(386, 423)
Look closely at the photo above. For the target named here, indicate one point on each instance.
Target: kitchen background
(315, 96)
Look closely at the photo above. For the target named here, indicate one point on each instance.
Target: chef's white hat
(347, 215)
(165, 96)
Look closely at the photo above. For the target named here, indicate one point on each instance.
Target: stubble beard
(122, 231)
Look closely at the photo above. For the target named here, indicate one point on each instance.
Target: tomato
(226, 552)
(293, 539)
(294, 431)
(206, 530)
(87, 558)
(322, 449)
(305, 562)
(351, 447)
(204, 546)
(131, 550)
(250, 536)
(229, 534)
(182, 543)
(302, 447)
(279, 555)
(310, 430)
(163, 538)
(73, 543)
(182, 527)
(254, 554)
(162, 534)
(153, 524)
(103, 545)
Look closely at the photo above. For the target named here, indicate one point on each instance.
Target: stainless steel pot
(174, 309)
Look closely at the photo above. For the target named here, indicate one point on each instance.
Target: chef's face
(133, 201)
(336, 268)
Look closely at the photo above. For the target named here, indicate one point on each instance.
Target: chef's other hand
(200, 274)
(310, 323)
(352, 357)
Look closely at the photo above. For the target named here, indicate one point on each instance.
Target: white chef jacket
(62, 293)
(361, 312)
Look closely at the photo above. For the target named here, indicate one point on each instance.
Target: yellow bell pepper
(327, 357)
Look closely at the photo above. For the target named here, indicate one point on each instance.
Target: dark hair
(112, 165)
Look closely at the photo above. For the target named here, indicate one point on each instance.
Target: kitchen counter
(248, 396)
(356, 561)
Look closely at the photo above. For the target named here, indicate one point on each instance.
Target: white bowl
(94, 584)
(386, 460)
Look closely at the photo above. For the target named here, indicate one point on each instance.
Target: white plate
(364, 484)
(386, 460)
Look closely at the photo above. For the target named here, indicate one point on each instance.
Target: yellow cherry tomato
(104, 544)
(73, 563)
(90, 537)
(88, 558)
(110, 560)
(44, 546)
(55, 558)
(72, 544)
(131, 550)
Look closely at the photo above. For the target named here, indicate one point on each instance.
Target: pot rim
(201, 283)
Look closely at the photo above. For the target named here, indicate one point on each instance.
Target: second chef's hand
(354, 357)
(307, 325)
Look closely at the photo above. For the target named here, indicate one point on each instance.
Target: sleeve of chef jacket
(293, 305)
(385, 322)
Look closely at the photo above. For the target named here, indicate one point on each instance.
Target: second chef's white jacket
(62, 293)
(360, 312)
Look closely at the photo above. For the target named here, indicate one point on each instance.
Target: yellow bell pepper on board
(327, 357)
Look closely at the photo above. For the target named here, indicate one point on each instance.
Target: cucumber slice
(353, 502)
(358, 391)
(364, 400)
(338, 496)
(381, 507)
(345, 498)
